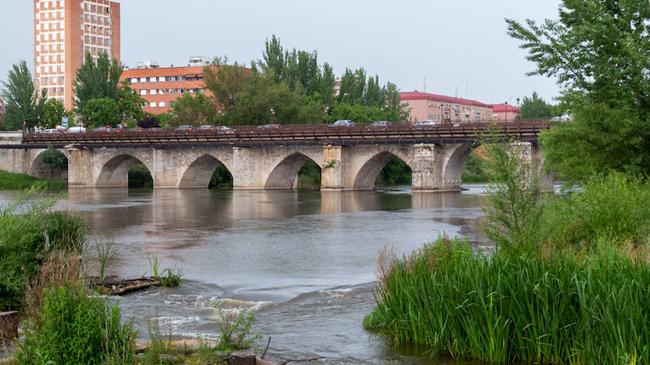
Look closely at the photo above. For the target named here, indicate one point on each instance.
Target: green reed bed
(517, 306)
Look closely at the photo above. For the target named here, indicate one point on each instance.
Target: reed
(517, 307)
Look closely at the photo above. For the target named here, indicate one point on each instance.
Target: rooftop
(416, 95)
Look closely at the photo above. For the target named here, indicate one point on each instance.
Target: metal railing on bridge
(244, 136)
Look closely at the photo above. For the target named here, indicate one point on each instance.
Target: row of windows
(160, 104)
(99, 41)
(56, 14)
(136, 80)
(95, 8)
(52, 80)
(51, 58)
(49, 4)
(51, 36)
(53, 91)
(51, 25)
(145, 92)
(51, 69)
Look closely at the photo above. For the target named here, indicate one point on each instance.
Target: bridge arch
(115, 171)
(199, 173)
(285, 173)
(367, 175)
(49, 164)
(452, 172)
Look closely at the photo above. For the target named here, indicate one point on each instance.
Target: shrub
(517, 306)
(14, 181)
(614, 208)
(28, 235)
(77, 329)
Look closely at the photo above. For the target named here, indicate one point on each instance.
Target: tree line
(286, 86)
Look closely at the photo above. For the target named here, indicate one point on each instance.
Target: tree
(535, 108)
(24, 108)
(53, 113)
(598, 50)
(129, 103)
(101, 112)
(195, 110)
(97, 79)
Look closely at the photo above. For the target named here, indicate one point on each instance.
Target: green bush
(517, 307)
(309, 176)
(140, 177)
(27, 236)
(474, 170)
(613, 208)
(221, 178)
(77, 329)
(396, 172)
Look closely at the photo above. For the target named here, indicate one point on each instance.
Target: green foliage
(130, 104)
(512, 207)
(53, 113)
(235, 331)
(614, 208)
(221, 178)
(77, 329)
(14, 181)
(97, 78)
(535, 108)
(140, 177)
(309, 176)
(101, 112)
(23, 103)
(28, 235)
(599, 139)
(516, 307)
(168, 277)
(356, 112)
(396, 172)
(55, 159)
(598, 51)
(194, 109)
(474, 169)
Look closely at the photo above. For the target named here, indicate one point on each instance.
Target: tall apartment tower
(64, 30)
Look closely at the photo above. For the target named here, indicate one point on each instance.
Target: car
(380, 124)
(456, 125)
(269, 126)
(76, 130)
(51, 130)
(207, 127)
(342, 123)
(106, 128)
(426, 123)
(224, 129)
(184, 127)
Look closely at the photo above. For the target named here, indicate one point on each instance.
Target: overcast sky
(459, 46)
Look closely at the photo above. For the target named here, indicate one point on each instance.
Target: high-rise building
(64, 31)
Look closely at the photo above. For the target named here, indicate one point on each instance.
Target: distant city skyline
(460, 48)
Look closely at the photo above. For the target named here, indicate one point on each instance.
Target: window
(143, 79)
(143, 92)
(134, 80)
(152, 104)
(153, 92)
(162, 104)
(161, 79)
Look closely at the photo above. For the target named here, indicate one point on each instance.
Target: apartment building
(64, 31)
(161, 86)
(505, 112)
(441, 108)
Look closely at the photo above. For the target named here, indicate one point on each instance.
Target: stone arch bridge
(268, 158)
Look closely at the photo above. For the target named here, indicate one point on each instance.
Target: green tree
(101, 112)
(24, 107)
(535, 108)
(195, 110)
(598, 50)
(53, 113)
(130, 104)
(97, 78)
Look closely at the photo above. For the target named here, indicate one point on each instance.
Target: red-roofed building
(505, 112)
(441, 108)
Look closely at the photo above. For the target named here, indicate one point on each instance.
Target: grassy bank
(569, 281)
(13, 181)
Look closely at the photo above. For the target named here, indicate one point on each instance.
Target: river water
(304, 261)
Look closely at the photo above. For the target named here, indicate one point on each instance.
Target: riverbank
(14, 181)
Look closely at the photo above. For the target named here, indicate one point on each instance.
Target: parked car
(76, 130)
(106, 128)
(207, 127)
(184, 127)
(51, 130)
(380, 124)
(269, 126)
(342, 123)
(224, 129)
(426, 123)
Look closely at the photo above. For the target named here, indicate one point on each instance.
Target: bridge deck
(287, 135)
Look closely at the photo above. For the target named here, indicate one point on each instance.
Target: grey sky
(460, 46)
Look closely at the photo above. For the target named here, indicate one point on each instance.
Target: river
(304, 261)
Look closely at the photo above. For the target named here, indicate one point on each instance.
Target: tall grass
(29, 233)
(14, 181)
(518, 307)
